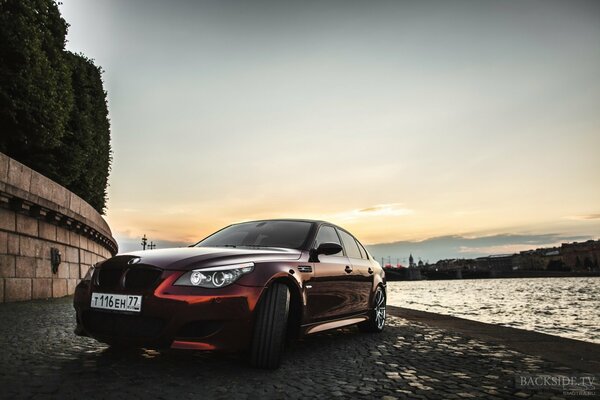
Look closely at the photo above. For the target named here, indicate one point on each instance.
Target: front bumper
(173, 316)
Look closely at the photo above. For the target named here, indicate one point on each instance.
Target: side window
(363, 252)
(350, 245)
(327, 234)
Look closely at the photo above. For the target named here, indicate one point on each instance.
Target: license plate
(117, 302)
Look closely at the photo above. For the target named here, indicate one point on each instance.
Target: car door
(362, 271)
(332, 288)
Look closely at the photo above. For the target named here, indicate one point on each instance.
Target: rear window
(286, 234)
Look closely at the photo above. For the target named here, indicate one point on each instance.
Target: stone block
(13, 244)
(63, 270)
(71, 284)
(42, 186)
(7, 266)
(25, 267)
(62, 235)
(87, 257)
(75, 203)
(74, 239)
(43, 269)
(83, 269)
(4, 159)
(19, 175)
(72, 255)
(17, 289)
(59, 287)
(42, 288)
(88, 212)
(27, 225)
(46, 249)
(74, 271)
(47, 231)
(60, 195)
(30, 247)
(8, 220)
(3, 242)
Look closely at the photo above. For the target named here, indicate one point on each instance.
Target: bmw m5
(251, 287)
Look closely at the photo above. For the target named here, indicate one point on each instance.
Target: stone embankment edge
(577, 354)
(37, 217)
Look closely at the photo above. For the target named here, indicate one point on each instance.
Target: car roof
(312, 221)
(317, 222)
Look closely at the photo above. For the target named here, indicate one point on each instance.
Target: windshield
(287, 234)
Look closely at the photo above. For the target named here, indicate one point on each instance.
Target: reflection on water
(568, 307)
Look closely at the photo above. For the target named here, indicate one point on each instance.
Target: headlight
(90, 272)
(215, 277)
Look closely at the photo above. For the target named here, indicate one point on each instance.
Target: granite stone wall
(39, 217)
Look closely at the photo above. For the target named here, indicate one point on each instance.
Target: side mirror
(328, 248)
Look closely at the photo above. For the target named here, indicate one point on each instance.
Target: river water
(568, 307)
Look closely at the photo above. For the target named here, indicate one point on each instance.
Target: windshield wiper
(254, 246)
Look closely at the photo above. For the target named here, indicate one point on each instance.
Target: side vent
(305, 268)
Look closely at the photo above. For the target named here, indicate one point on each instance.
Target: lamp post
(151, 246)
(144, 242)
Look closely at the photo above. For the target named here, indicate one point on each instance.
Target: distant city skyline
(401, 121)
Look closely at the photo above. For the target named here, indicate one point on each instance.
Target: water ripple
(568, 307)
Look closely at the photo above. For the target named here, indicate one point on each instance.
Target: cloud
(455, 246)
(500, 249)
(378, 210)
(587, 217)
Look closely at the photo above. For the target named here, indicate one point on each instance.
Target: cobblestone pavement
(41, 358)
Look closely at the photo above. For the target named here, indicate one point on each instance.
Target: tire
(377, 314)
(270, 327)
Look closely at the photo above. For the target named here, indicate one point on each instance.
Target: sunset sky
(401, 121)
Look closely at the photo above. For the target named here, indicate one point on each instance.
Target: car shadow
(309, 365)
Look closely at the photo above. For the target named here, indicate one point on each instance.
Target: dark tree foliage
(85, 146)
(35, 93)
(53, 110)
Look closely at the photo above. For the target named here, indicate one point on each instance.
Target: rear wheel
(270, 327)
(377, 313)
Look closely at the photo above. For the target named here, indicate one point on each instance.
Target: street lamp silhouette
(144, 242)
(151, 246)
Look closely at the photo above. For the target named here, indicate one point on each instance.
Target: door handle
(348, 269)
(370, 270)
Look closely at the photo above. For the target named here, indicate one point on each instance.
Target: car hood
(187, 258)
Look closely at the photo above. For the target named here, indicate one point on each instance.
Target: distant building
(583, 256)
(569, 257)
(499, 262)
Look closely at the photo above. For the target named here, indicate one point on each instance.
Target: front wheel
(270, 327)
(377, 314)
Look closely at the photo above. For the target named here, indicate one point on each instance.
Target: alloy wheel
(380, 308)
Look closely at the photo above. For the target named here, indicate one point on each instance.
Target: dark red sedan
(248, 286)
